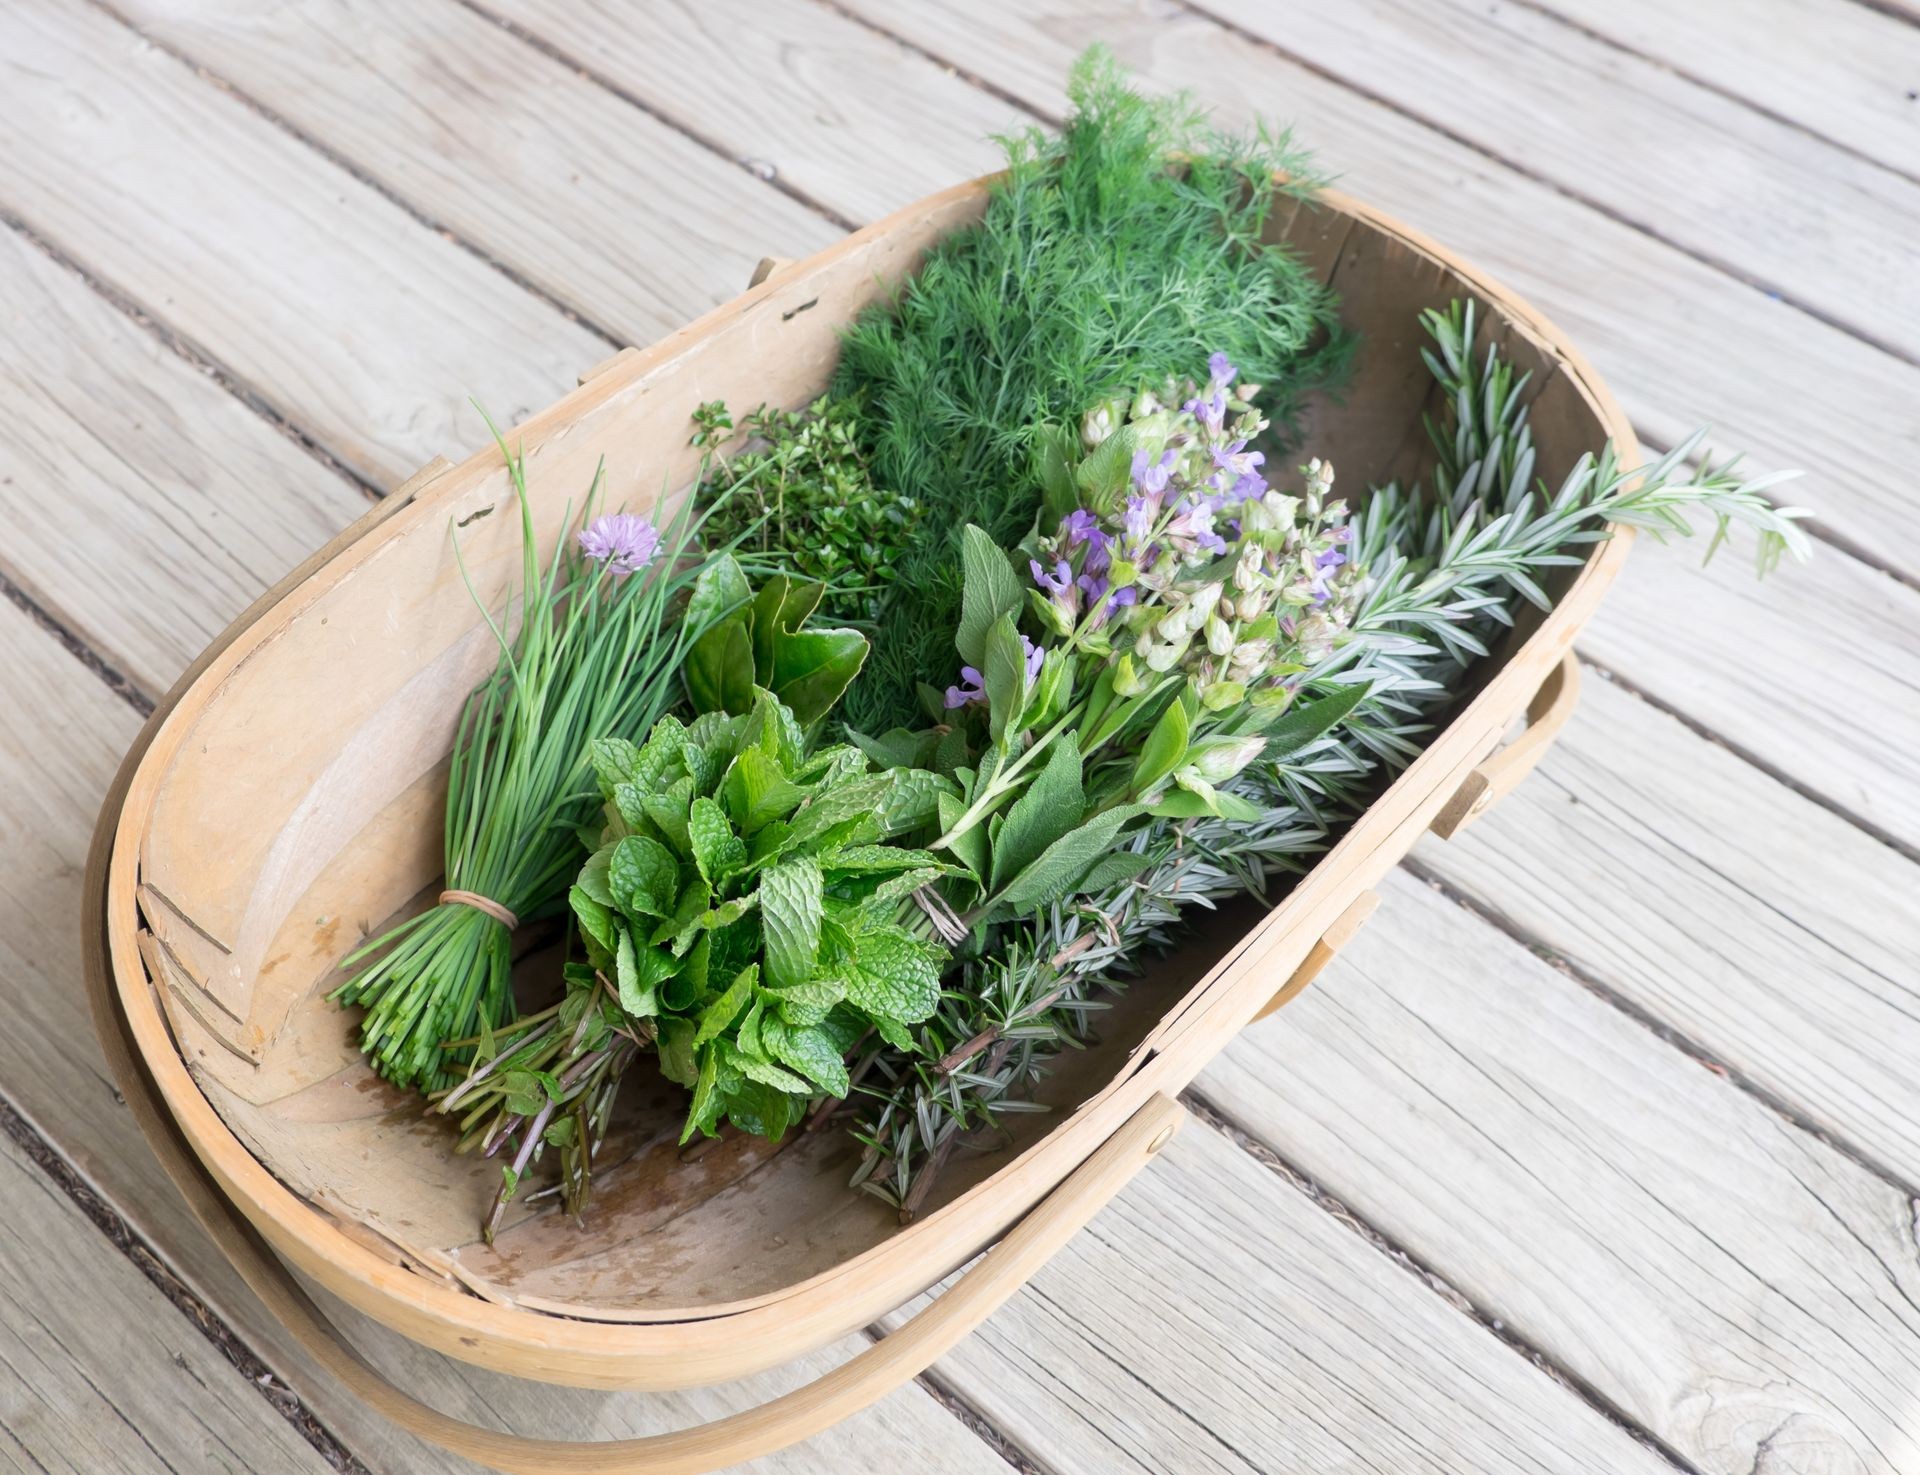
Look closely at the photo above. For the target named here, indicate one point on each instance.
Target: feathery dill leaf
(1097, 270)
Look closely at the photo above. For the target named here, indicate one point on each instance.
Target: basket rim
(701, 1344)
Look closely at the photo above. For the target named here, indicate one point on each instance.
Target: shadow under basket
(285, 800)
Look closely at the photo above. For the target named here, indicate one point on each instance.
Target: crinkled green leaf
(644, 877)
(893, 976)
(791, 908)
(879, 858)
(594, 876)
(767, 1073)
(717, 851)
(911, 799)
(613, 760)
(705, 1109)
(746, 1039)
(762, 1109)
(667, 812)
(641, 974)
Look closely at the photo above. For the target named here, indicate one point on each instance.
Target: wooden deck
(1597, 1152)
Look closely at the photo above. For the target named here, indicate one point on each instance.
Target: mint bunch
(746, 907)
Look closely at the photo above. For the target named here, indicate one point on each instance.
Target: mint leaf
(725, 1009)
(757, 790)
(809, 1051)
(717, 851)
(613, 760)
(893, 976)
(595, 920)
(643, 877)
(792, 901)
(706, 1103)
(675, 1046)
(762, 1109)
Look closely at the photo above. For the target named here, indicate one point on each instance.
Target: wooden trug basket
(284, 801)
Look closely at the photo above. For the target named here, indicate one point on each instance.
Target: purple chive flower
(973, 688)
(623, 541)
(1221, 370)
(1058, 581)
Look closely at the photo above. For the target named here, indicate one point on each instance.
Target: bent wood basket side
(284, 802)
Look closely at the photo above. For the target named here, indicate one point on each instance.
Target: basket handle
(788, 1419)
(1501, 771)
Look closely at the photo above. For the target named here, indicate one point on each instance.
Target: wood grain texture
(1732, 1284)
(358, 324)
(1682, 344)
(98, 1371)
(1756, 195)
(1846, 72)
(610, 210)
(1260, 1334)
(143, 507)
(1815, 671)
(54, 763)
(1770, 931)
(851, 119)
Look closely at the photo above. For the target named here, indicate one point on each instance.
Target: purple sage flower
(1056, 582)
(972, 688)
(623, 541)
(1139, 519)
(1151, 477)
(1035, 656)
(1081, 526)
(1221, 370)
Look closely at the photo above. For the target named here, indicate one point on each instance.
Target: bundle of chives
(592, 658)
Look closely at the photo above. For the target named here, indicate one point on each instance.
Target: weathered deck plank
(852, 120)
(99, 1372)
(1733, 1284)
(610, 210)
(1747, 919)
(1215, 1319)
(144, 508)
(1758, 196)
(1847, 72)
(355, 322)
